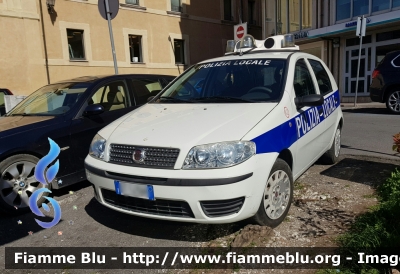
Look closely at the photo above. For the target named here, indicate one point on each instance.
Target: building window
(306, 14)
(250, 7)
(132, 2)
(135, 48)
(75, 44)
(179, 51)
(378, 5)
(176, 5)
(343, 9)
(228, 10)
(294, 16)
(350, 9)
(360, 7)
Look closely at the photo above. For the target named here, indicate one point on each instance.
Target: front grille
(155, 157)
(219, 208)
(157, 207)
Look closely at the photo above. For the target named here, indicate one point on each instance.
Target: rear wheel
(277, 196)
(393, 101)
(17, 183)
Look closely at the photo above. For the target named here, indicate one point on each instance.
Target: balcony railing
(132, 2)
(176, 8)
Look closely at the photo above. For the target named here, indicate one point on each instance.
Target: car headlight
(97, 147)
(219, 155)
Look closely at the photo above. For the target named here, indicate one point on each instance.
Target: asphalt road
(86, 223)
(368, 130)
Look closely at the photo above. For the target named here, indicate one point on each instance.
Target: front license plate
(134, 190)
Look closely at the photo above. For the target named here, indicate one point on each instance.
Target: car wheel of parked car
(393, 101)
(17, 183)
(332, 155)
(277, 196)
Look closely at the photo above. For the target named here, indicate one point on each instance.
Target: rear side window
(324, 83)
(396, 61)
(144, 88)
(1, 99)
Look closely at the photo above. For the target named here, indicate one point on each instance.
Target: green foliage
(379, 227)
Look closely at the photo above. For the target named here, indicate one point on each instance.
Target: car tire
(17, 174)
(277, 196)
(332, 155)
(393, 101)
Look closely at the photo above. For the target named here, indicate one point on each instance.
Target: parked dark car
(3, 91)
(385, 86)
(70, 113)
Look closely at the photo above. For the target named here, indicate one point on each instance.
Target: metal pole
(111, 36)
(359, 60)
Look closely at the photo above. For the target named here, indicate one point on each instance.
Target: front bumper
(191, 192)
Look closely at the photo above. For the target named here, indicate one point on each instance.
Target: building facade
(45, 41)
(327, 29)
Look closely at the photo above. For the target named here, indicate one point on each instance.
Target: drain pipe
(44, 44)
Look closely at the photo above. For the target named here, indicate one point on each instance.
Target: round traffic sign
(240, 32)
(113, 6)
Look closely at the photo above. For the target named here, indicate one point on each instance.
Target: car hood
(187, 125)
(11, 123)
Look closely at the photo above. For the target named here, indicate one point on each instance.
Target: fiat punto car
(225, 140)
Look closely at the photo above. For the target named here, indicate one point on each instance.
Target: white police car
(225, 140)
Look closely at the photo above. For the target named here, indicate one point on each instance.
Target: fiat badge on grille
(138, 155)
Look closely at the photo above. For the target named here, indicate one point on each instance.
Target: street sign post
(239, 31)
(360, 32)
(108, 10)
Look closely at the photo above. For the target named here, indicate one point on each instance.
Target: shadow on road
(159, 229)
(11, 231)
(366, 150)
(359, 171)
(369, 110)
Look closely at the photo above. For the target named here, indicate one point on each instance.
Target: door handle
(321, 111)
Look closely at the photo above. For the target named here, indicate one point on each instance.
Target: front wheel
(17, 183)
(332, 155)
(277, 196)
(393, 101)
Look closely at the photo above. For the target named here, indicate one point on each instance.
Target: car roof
(271, 54)
(92, 79)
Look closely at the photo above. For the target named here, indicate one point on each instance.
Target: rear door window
(324, 83)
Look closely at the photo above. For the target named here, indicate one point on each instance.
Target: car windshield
(50, 100)
(230, 81)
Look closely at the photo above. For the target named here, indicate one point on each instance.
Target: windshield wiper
(21, 114)
(172, 99)
(223, 98)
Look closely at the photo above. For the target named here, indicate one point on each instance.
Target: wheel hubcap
(337, 143)
(277, 194)
(394, 101)
(17, 183)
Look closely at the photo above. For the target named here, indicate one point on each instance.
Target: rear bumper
(376, 95)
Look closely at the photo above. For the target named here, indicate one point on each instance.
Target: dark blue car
(70, 113)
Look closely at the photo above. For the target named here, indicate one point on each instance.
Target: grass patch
(299, 185)
(369, 196)
(377, 228)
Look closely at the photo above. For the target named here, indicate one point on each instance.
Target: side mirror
(94, 109)
(150, 98)
(311, 100)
